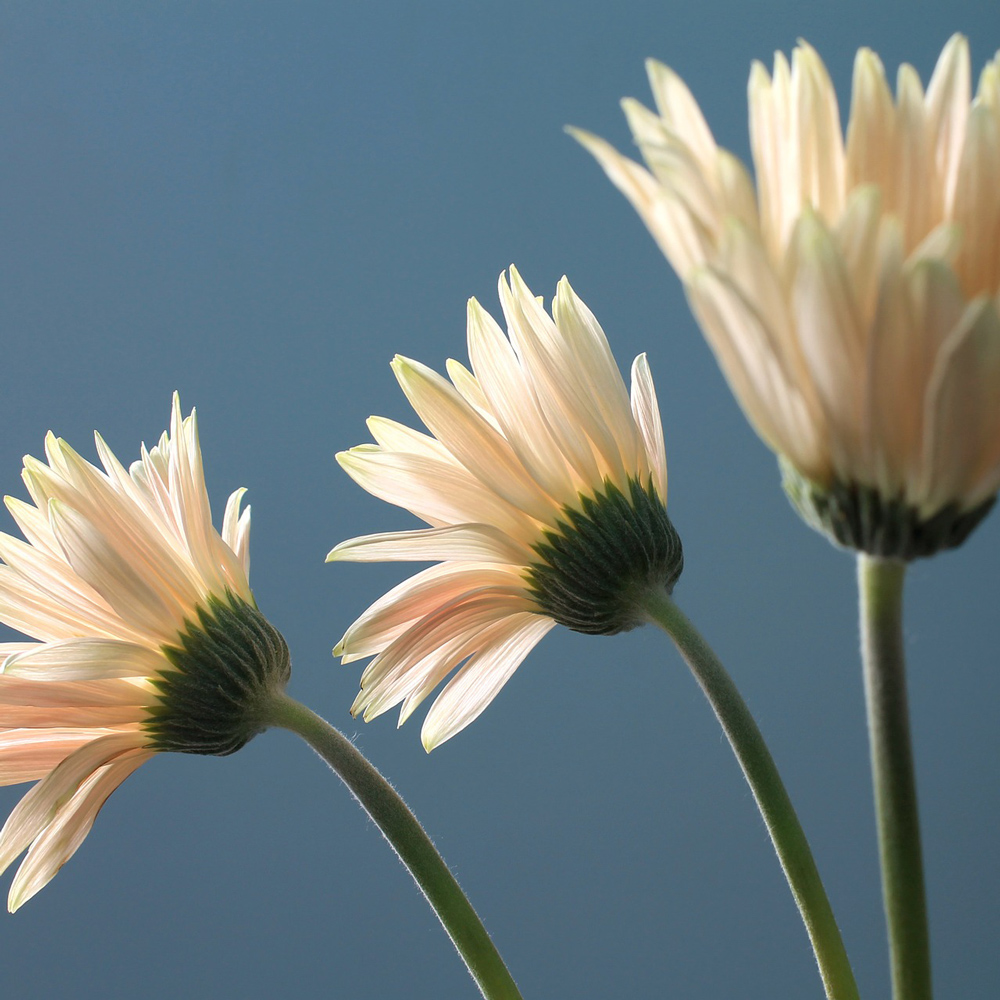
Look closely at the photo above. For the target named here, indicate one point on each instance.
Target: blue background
(259, 204)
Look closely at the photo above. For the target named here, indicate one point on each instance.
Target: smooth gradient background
(258, 204)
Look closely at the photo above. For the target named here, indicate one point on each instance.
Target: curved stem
(769, 791)
(880, 585)
(408, 839)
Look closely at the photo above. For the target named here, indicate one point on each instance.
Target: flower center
(226, 667)
(596, 564)
(859, 517)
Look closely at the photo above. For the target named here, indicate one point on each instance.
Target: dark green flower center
(859, 517)
(594, 567)
(226, 668)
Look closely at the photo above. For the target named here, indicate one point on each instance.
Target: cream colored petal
(744, 260)
(963, 408)
(216, 563)
(412, 679)
(543, 357)
(871, 130)
(116, 507)
(426, 657)
(393, 613)
(685, 244)
(832, 337)
(742, 345)
(80, 486)
(468, 386)
(103, 693)
(680, 111)
(480, 681)
(394, 436)
(32, 611)
(916, 198)
(113, 575)
(34, 525)
(61, 839)
(445, 660)
(462, 543)
(10, 649)
(511, 398)
(778, 184)
(150, 476)
(737, 196)
(154, 504)
(988, 91)
(476, 445)
(857, 239)
(819, 140)
(29, 754)
(943, 243)
(187, 485)
(119, 717)
(647, 417)
(392, 675)
(947, 102)
(893, 407)
(675, 165)
(654, 139)
(600, 383)
(230, 528)
(83, 660)
(919, 308)
(766, 152)
(977, 204)
(436, 492)
(41, 804)
(54, 578)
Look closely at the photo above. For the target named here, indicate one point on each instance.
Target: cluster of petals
(853, 298)
(115, 563)
(542, 418)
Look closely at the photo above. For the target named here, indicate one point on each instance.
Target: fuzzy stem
(769, 791)
(880, 586)
(408, 839)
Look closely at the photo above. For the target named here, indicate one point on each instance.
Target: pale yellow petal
(680, 112)
(871, 129)
(61, 839)
(43, 801)
(646, 411)
(476, 445)
(948, 96)
(464, 543)
(480, 681)
(394, 612)
(437, 492)
(83, 659)
(963, 408)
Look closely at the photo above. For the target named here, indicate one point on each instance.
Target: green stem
(880, 584)
(775, 806)
(408, 840)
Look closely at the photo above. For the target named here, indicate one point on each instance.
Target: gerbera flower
(149, 636)
(853, 299)
(545, 489)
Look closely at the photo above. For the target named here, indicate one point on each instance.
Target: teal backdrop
(259, 204)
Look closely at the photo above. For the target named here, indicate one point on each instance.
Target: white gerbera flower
(545, 490)
(149, 637)
(853, 299)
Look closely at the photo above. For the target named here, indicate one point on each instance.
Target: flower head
(853, 299)
(148, 636)
(545, 488)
